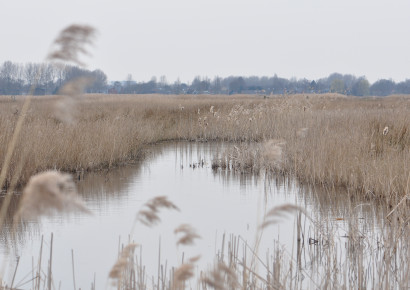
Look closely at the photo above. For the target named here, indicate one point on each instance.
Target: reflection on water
(214, 202)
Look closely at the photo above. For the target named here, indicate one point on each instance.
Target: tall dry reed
(48, 191)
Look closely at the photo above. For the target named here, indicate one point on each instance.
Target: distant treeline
(16, 79)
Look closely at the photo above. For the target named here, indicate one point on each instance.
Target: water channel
(214, 202)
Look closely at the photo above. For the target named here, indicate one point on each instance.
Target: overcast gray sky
(185, 38)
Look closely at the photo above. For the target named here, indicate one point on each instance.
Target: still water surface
(213, 202)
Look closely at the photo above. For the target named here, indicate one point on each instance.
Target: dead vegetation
(360, 146)
(322, 139)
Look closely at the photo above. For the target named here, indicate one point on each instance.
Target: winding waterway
(214, 202)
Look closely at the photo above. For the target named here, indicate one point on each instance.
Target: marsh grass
(334, 142)
(50, 190)
(325, 141)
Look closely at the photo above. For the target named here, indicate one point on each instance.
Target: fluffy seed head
(184, 273)
(149, 216)
(49, 192)
(122, 263)
(188, 234)
(71, 42)
(222, 277)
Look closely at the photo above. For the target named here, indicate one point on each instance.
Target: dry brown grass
(359, 145)
(321, 139)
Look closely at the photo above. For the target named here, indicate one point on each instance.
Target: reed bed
(325, 141)
(321, 139)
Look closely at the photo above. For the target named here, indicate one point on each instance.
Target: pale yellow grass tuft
(149, 216)
(188, 234)
(49, 192)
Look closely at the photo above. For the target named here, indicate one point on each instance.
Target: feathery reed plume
(149, 216)
(222, 277)
(71, 42)
(122, 263)
(49, 192)
(188, 234)
(194, 259)
(274, 215)
(184, 273)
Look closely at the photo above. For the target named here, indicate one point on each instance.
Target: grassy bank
(324, 139)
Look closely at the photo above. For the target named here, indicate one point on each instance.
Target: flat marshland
(362, 145)
(344, 150)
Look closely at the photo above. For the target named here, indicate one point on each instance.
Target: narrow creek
(214, 202)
